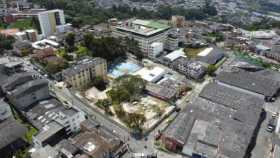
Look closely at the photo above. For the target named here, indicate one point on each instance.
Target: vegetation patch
(192, 52)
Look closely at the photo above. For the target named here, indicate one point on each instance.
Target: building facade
(50, 20)
(191, 69)
(81, 75)
(144, 32)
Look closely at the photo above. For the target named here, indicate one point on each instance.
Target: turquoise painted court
(122, 68)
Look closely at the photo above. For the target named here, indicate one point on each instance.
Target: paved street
(264, 141)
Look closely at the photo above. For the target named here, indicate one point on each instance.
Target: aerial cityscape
(139, 78)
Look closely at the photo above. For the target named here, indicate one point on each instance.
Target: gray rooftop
(48, 131)
(3, 74)
(250, 81)
(212, 58)
(16, 80)
(5, 110)
(81, 66)
(233, 99)
(29, 87)
(66, 146)
(219, 123)
(46, 111)
(45, 152)
(161, 91)
(10, 130)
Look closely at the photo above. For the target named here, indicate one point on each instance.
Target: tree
(99, 83)
(54, 67)
(104, 104)
(77, 22)
(108, 48)
(211, 70)
(135, 121)
(70, 41)
(132, 46)
(126, 88)
(6, 42)
(82, 51)
(88, 40)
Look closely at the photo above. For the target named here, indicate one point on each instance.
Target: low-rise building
(274, 53)
(221, 122)
(84, 71)
(15, 80)
(98, 142)
(27, 35)
(23, 96)
(210, 56)
(178, 21)
(45, 43)
(12, 133)
(54, 121)
(161, 92)
(169, 58)
(151, 75)
(190, 68)
(250, 82)
(12, 137)
(22, 48)
(5, 110)
(101, 30)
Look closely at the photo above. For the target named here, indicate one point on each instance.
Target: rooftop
(214, 127)
(16, 80)
(94, 145)
(46, 111)
(48, 131)
(28, 87)
(150, 75)
(161, 91)
(5, 110)
(45, 152)
(230, 98)
(143, 27)
(10, 130)
(250, 81)
(210, 55)
(175, 54)
(82, 65)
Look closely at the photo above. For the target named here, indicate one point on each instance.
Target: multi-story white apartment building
(81, 74)
(144, 32)
(50, 21)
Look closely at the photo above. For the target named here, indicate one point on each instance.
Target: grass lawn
(192, 52)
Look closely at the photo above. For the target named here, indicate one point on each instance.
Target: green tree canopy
(126, 88)
(108, 48)
(6, 42)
